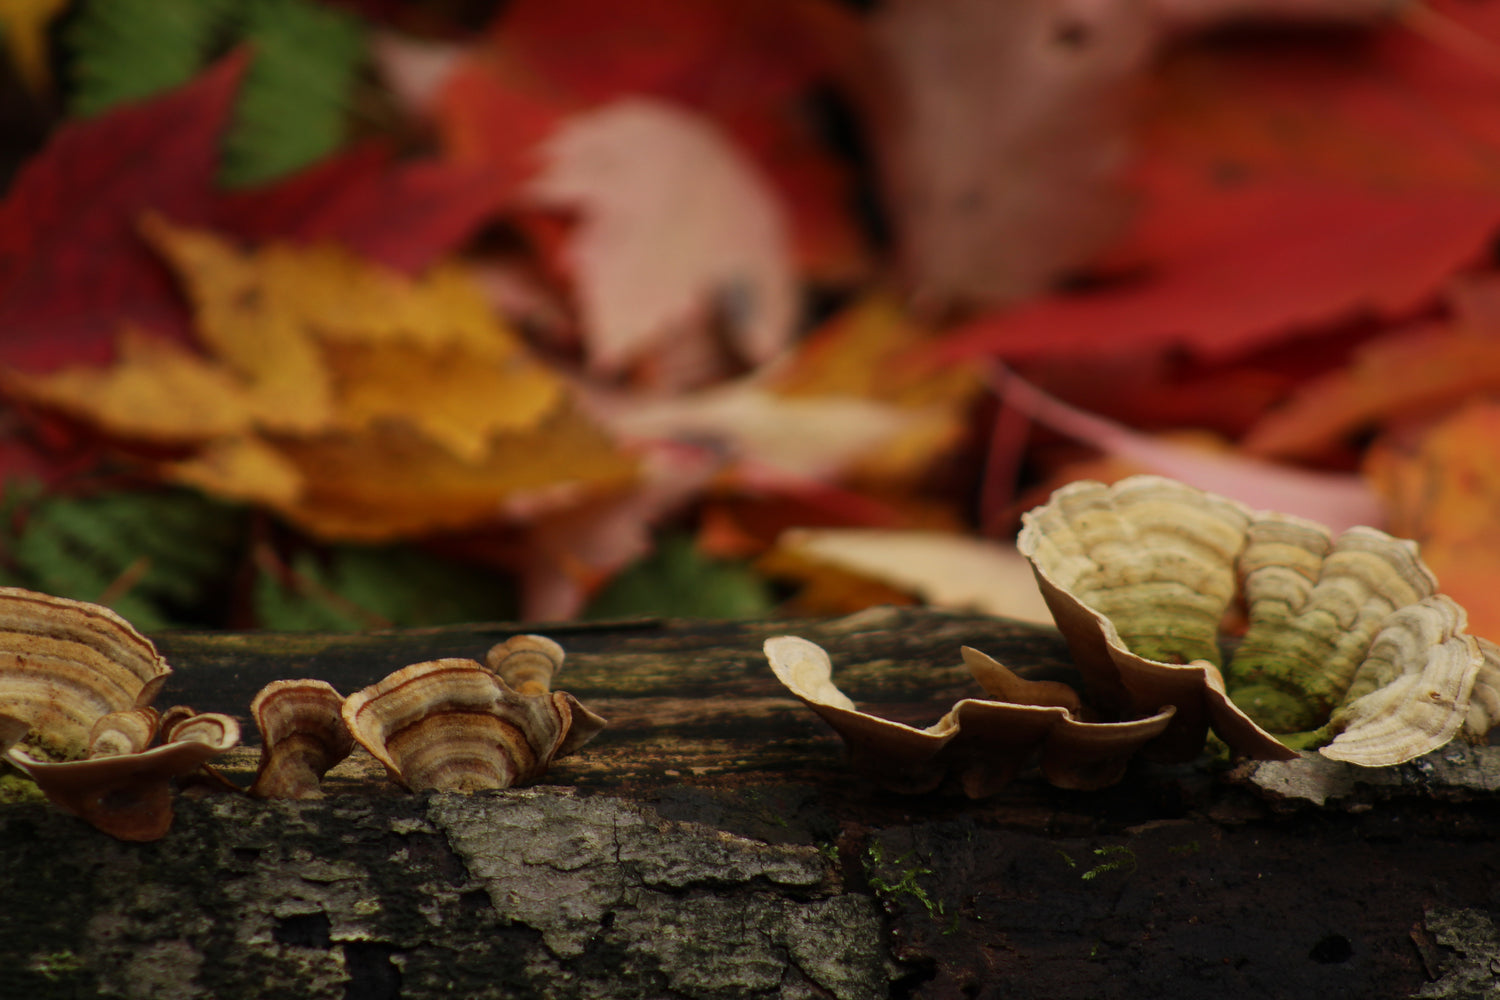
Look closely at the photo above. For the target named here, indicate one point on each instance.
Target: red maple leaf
(1255, 264)
(1287, 186)
(403, 215)
(72, 268)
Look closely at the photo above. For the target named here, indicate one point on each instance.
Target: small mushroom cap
(128, 795)
(527, 663)
(302, 735)
(452, 725)
(64, 664)
(117, 733)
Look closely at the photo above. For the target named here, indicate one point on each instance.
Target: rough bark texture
(711, 843)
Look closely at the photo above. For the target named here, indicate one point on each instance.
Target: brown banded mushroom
(65, 664)
(981, 744)
(302, 735)
(118, 733)
(81, 680)
(453, 725)
(527, 663)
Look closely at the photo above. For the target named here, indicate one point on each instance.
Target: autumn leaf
(1410, 373)
(875, 351)
(1258, 225)
(674, 228)
(71, 262)
(128, 50)
(1252, 265)
(358, 402)
(1337, 500)
(945, 570)
(1004, 131)
(855, 401)
(746, 423)
(157, 391)
(1443, 490)
(391, 482)
(404, 214)
(1002, 147)
(749, 67)
(714, 56)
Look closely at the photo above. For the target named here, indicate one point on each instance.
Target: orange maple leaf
(1444, 492)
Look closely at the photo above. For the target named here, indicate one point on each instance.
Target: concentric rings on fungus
(453, 725)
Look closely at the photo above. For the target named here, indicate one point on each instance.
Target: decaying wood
(711, 843)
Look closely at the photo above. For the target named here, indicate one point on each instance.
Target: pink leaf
(1339, 501)
(674, 226)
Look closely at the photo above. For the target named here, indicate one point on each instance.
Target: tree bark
(712, 843)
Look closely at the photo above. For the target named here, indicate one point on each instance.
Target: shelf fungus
(80, 680)
(981, 743)
(454, 725)
(302, 736)
(1349, 647)
(1347, 637)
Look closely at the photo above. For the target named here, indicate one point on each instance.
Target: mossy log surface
(712, 843)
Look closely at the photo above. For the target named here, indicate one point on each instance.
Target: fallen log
(712, 843)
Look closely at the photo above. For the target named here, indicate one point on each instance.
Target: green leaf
(293, 109)
(677, 581)
(159, 559)
(126, 50)
(350, 588)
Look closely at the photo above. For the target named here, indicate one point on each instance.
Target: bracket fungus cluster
(1348, 644)
(77, 682)
(450, 725)
(76, 686)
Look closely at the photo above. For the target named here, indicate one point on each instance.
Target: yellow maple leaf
(391, 482)
(283, 357)
(356, 401)
(157, 391)
(246, 317)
